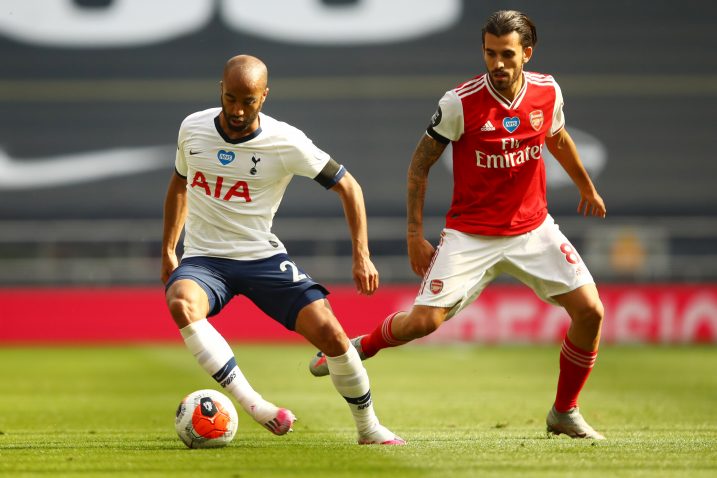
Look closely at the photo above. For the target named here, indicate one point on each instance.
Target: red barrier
(502, 314)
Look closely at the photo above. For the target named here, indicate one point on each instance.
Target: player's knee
(183, 309)
(591, 314)
(334, 342)
(419, 325)
(331, 333)
(319, 326)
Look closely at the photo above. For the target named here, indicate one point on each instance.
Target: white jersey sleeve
(180, 161)
(558, 116)
(302, 157)
(448, 118)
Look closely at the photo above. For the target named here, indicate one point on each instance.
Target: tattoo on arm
(427, 152)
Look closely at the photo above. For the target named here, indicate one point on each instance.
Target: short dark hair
(504, 22)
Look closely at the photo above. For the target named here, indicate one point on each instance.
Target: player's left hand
(365, 276)
(591, 204)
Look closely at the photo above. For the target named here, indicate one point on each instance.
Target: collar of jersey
(226, 138)
(502, 99)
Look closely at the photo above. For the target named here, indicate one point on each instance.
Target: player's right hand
(169, 263)
(365, 275)
(420, 253)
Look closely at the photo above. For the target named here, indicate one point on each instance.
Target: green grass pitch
(466, 411)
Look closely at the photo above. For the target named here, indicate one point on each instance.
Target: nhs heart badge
(225, 157)
(511, 124)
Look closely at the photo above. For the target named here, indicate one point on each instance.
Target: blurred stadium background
(93, 92)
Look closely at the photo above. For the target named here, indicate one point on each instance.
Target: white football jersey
(234, 187)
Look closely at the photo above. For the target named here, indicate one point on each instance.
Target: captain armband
(437, 136)
(331, 174)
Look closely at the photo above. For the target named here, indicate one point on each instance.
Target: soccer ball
(206, 419)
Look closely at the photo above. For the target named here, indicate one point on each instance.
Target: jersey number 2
(296, 276)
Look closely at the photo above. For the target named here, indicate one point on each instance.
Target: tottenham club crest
(536, 119)
(254, 160)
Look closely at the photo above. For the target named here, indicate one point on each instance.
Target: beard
(505, 83)
(236, 124)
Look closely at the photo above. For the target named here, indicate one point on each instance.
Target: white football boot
(277, 420)
(318, 366)
(571, 423)
(380, 436)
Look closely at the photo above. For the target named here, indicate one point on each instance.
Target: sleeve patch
(437, 116)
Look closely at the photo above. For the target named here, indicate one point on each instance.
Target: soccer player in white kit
(232, 167)
(498, 221)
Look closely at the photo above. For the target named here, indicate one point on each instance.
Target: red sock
(575, 367)
(380, 338)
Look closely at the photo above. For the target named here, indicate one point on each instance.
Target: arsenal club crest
(436, 286)
(536, 119)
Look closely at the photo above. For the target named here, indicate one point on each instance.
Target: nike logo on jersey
(77, 168)
(192, 152)
(488, 126)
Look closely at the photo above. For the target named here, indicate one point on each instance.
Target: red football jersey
(498, 168)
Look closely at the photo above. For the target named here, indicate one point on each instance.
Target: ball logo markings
(209, 409)
(206, 419)
(209, 420)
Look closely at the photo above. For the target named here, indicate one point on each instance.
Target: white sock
(351, 381)
(216, 357)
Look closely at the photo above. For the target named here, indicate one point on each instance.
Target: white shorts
(464, 264)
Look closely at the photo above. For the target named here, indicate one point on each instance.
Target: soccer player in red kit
(498, 221)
